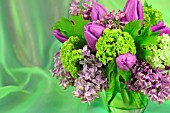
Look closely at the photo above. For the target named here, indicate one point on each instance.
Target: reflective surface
(115, 110)
(27, 48)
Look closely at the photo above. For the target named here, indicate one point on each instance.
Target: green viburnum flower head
(160, 53)
(70, 55)
(151, 16)
(113, 43)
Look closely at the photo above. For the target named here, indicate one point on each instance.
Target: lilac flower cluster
(154, 83)
(112, 20)
(75, 9)
(86, 12)
(91, 78)
(64, 77)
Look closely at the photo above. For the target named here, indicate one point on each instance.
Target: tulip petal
(94, 14)
(98, 11)
(59, 36)
(92, 32)
(97, 30)
(91, 40)
(158, 27)
(140, 12)
(131, 60)
(165, 31)
(125, 61)
(133, 11)
(102, 11)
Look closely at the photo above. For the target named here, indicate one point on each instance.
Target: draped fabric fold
(27, 48)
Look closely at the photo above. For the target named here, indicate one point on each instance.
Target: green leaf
(112, 77)
(79, 24)
(134, 99)
(65, 26)
(125, 74)
(147, 5)
(4, 91)
(121, 74)
(143, 53)
(133, 28)
(146, 38)
(109, 70)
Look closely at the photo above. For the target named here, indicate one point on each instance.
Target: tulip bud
(125, 61)
(158, 27)
(161, 27)
(133, 11)
(165, 31)
(59, 36)
(92, 32)
(98, 12)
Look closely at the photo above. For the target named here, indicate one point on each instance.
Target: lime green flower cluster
(161, 52)
(151, 16)
(70, 56)
(113, 43)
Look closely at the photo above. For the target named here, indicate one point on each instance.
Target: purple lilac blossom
(59, 36)
(65, 78)
(112, 20)
(154, 83)
(92, 32)
(125, 61)
(75, 9)
(86, 12)
(91, 78)
(133, 11)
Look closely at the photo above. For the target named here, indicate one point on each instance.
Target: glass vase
(127, 102)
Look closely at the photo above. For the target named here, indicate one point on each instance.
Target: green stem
(135, 97)
(125, 96)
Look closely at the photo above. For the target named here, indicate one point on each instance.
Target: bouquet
(124, 53)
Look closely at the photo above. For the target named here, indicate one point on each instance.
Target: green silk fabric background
(27, 47)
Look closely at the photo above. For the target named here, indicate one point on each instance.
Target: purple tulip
(165, 31)
(125, 61)
(59, 36)
(98, 12)
(158, 27)
(133, 11)
(92, 32)
(161, 27)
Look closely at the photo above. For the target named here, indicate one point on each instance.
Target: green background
(27, 47)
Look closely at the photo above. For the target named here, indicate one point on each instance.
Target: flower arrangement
(124, 53)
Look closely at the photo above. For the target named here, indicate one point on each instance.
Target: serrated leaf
(143, 53)
(4, 91)
(133, 28)
(146, 38)
(147, 5)
(125, 74)
(152, 39)
(111, 72)
(112, 84)
(121, 74)
(79, 24)
(65, 26)
(109, 69)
